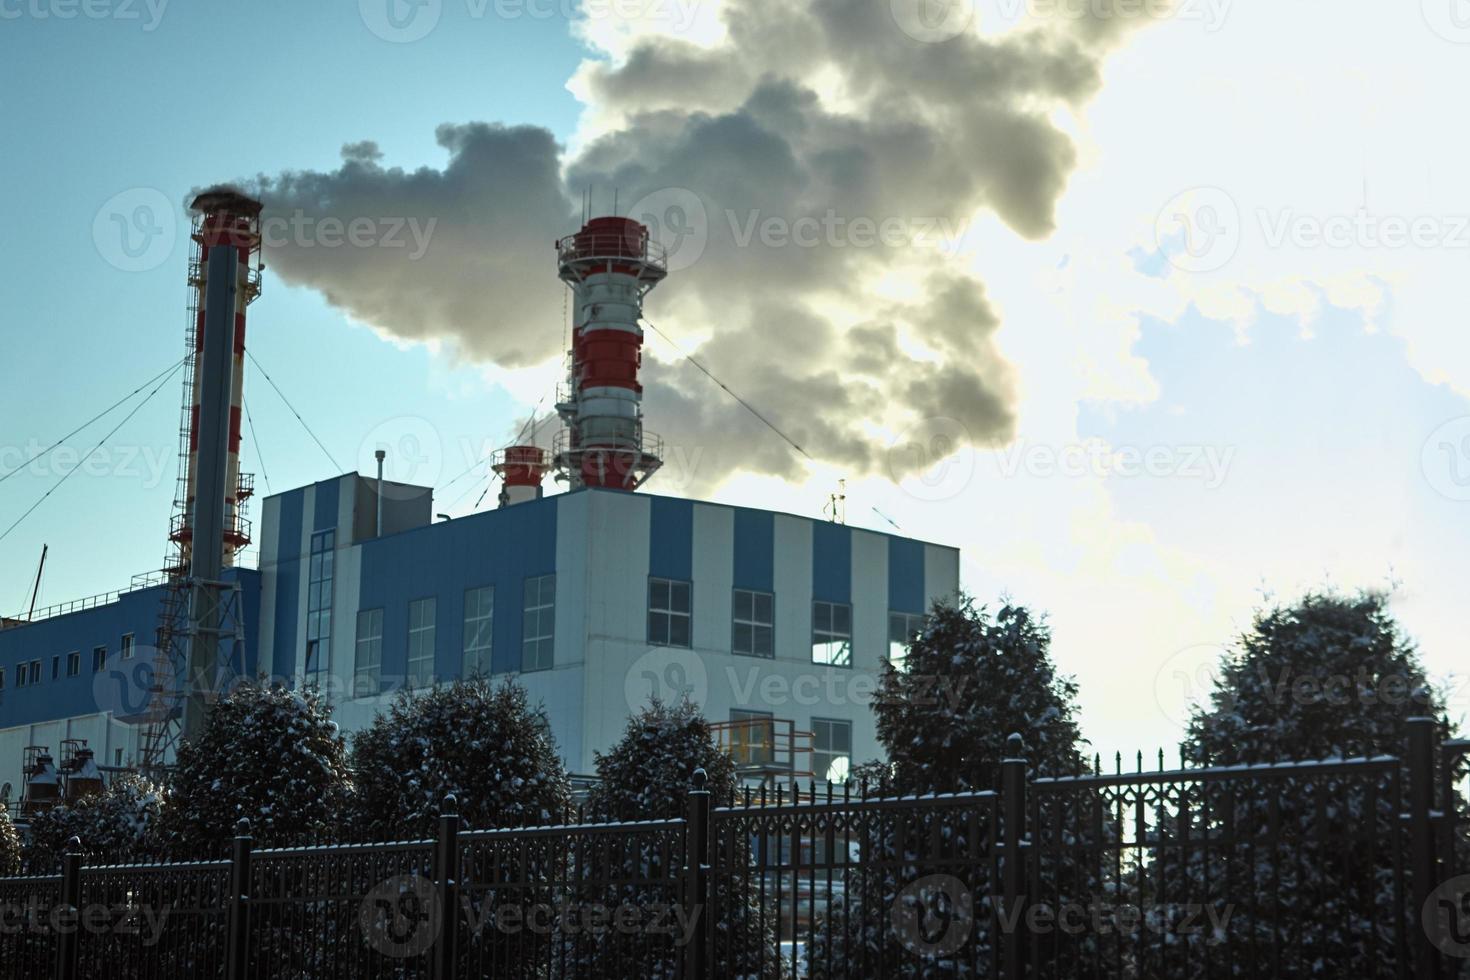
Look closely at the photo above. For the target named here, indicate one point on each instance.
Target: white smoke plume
(812, 171)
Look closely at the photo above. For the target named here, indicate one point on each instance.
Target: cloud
(827, 164)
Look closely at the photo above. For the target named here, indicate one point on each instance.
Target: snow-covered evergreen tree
(117, 826)
(970, 680)
(1306, 865)
(9, 846)
(268, 754)
(481, 742)
(648, 775)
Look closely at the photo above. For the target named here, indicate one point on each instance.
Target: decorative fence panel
(1255, 871)
(147, 921)
(27, 945)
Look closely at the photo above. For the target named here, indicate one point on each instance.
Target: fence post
(1013, 835)
(239, 913)
(1422, 861)
(446, 880)
(696, 899)
(71, 899)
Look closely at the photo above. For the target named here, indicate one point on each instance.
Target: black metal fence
(1352, 868)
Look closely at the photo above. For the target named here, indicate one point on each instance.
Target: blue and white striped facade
(603, 547)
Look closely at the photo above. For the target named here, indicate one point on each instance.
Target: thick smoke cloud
(812, 172)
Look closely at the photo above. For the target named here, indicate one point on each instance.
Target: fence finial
(242, 827)
(73, 845)
(701, 779)
(451, 804)
(1015, 746)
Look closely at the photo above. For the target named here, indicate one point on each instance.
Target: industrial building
(595, 598)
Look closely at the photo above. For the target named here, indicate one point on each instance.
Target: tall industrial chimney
(610, 264)
(521, 469)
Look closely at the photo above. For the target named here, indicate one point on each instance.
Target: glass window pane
(679, 596)
(842, 619)
(679, 631)
(821, 616)
(658, 594)
(658, 628)
(744, 604)
(762, 641)
(744, 638)
(763, 607)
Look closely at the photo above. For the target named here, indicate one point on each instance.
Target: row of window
(670, 623)
(538, 634)
(753, 621)
(29, 673)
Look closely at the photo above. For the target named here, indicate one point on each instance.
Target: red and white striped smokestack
(610, 264)
(521, 469)
(222, 218)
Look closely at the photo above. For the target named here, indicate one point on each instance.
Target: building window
(20, 675)
(902, 628)
(421, 642)
(73, 663)
(35, 671)
(831, 749)
(99, 659)
(367, 675)
(668, 612)
(125, 647)
(2, 678)
(56, 666)
(753, 634)
(832, 634)
(752, 737)
(538, 626)
(319, 602)
(479, 622)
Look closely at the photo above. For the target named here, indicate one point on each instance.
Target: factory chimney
(610, 264)
(520, 469)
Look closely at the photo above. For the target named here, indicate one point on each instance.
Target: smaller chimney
(520, 469)
(380, 455)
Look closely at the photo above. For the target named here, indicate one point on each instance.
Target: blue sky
(1327, 384)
